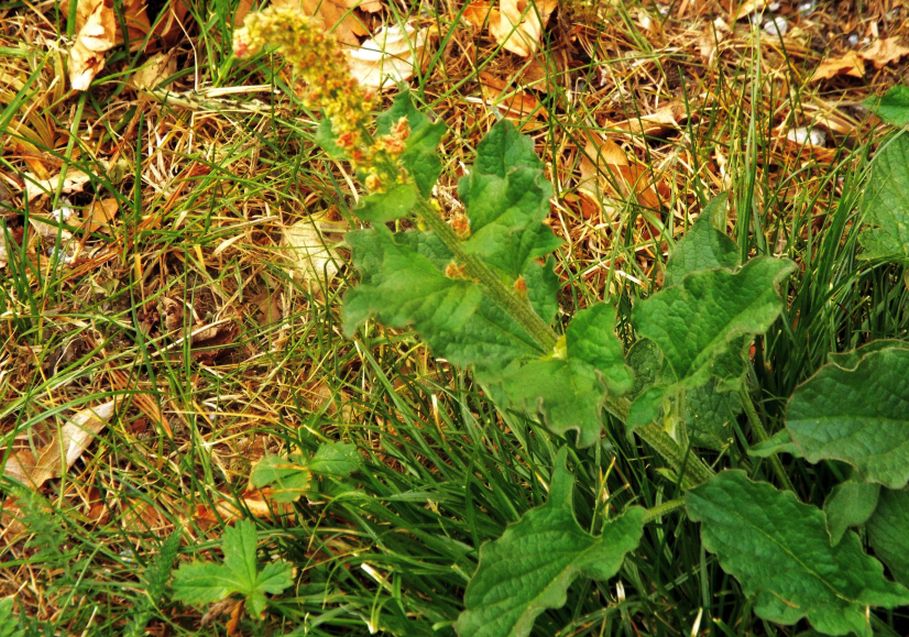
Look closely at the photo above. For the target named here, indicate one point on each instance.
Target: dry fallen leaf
(71, 441)
(883, 52)
(750, 6)
(311, 256)
(518, 27)
(96, 36)
(511, 100)
(335, 14)
(99, 214)
(850, 64)
(606, 170)
(477, 13)
(663, 119)
(392, 55)
(156, 69)
(370, 6)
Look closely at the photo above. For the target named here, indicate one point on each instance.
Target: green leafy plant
(201, 583)
(9, 625)
(291, 477)
(479, 289)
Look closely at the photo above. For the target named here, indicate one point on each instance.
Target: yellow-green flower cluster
(317, 58)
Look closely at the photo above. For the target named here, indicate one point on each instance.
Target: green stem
(658, 511)
(518, 308)
(758, 427)
(689, 466)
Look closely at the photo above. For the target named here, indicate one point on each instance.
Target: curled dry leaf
(606, 170)
(96, 36)
(850, 64)
(311, 256)
(392, 55)
(518, 25)
(884, 52)
(663, 119)
(514, 102)
(156, 69)
(58, 455)
(335, 14)
(750, 6)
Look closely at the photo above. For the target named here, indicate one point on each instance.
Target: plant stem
(758, 427)
(658, 511)
(518, 308)
(689, 466)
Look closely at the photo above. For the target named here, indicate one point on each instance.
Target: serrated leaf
(888, 532)
(885, 204)
(850, 504)
(380, 207)
(859, 415)
(569, 392)
(703, 247)
(201, 583)
(530, 567)
(893, 107)
(778, 549)
(420, 156)
(698, 321)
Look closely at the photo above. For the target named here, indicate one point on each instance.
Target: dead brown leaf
(477, 13)
(311, 255)
(392, 55)
(850, 64)
(607, 170)
(518, 27)
(99, 214)
(514, 102)
(94, 37)
(663, 119)
(335, 14)
(750, 6)
(57, 456)
(884, 52)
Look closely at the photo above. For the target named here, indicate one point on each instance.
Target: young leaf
(886, 204)
(703, 247)
(779, 550)
(420, 156)
(337, 459)
(201, 583)
(291, 477)
(888, 532)
(696, 322)
(858, 414)
(893, 107)
(507, 197)
(530, 568)
(850, 503)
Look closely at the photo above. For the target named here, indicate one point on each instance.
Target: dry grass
(181, 302)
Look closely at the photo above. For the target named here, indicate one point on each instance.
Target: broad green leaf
(569, 392)
(857, 414)
(703, 247)
(421, 156)
(888, 532)
(397, 201)
(202, 583)
(289, 478)
(336, 459)
(9, 625)
(885, 204)
(403, 284)
(893, 107)
(507, 198)
(697, 322)
(850, 504)
(779, 550)
(530, 567)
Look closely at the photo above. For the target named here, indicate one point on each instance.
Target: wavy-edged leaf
(886, 204)
(850, 504)
(857, 414)
(569, 392)
(888, 532)
(698, 321)
(380, 207)
(779, 550)
(530, 568)
(507, 198)
(703, 247)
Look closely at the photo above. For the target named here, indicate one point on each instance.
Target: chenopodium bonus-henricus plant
(480, 290)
